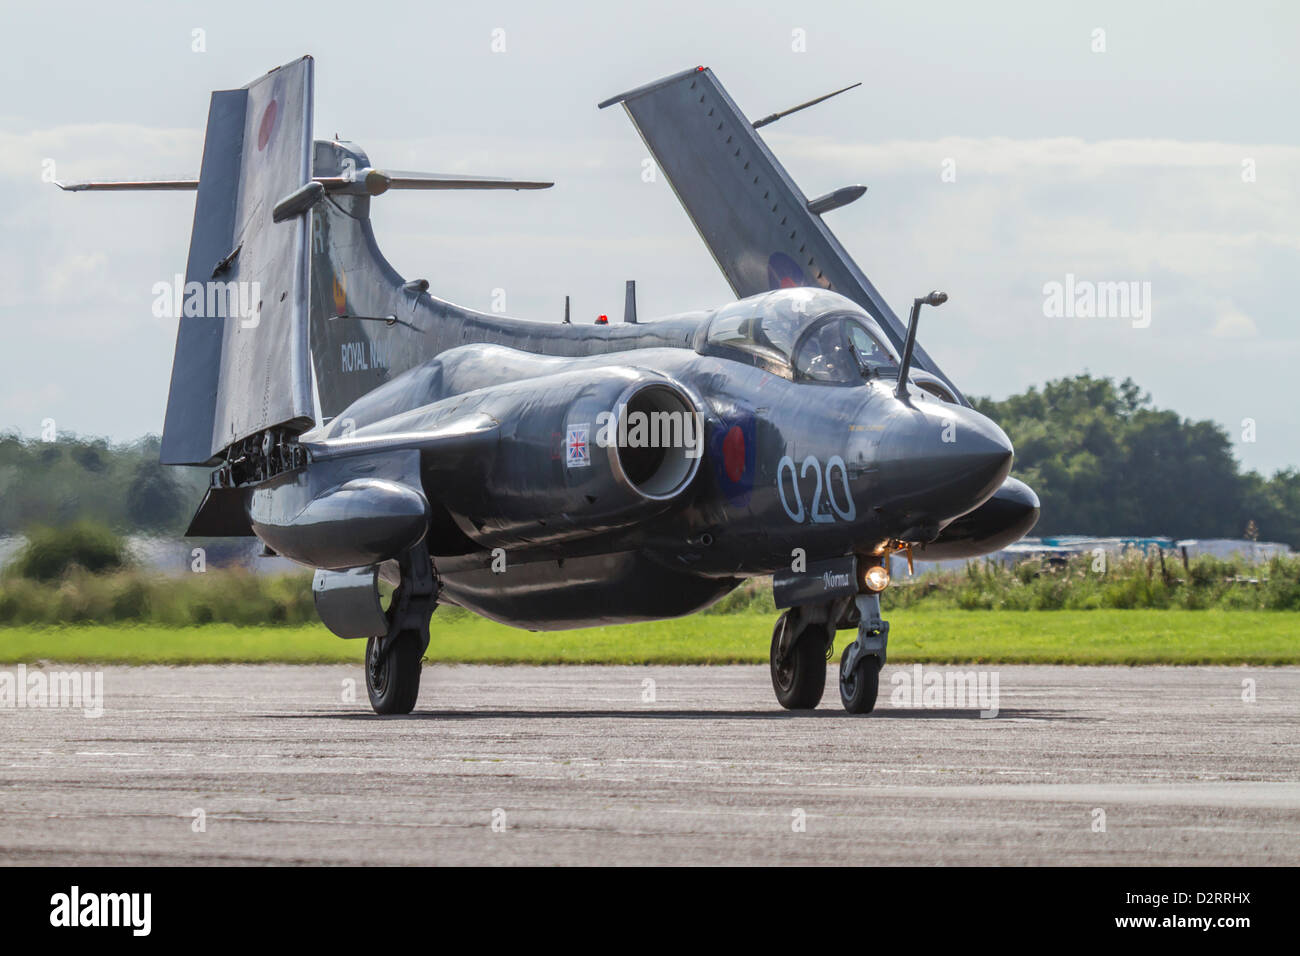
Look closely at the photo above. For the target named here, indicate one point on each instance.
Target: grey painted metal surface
(265, 373)
(196, 367)
(342, 514)
(823, 581)
(348, 602)
(1002, 520)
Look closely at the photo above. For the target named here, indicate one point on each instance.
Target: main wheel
(394, 680)
(858, 690)
(799, 680)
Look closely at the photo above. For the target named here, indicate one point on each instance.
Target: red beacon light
(602, 320)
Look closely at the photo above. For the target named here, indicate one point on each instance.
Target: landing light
(875, 578)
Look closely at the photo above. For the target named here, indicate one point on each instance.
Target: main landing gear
(394, 661)
(801, 646)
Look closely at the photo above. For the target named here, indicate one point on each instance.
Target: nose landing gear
(798, 659)
(801, 646)
(862, 660)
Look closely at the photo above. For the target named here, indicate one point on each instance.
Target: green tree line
(1105, 462)
(74, 479)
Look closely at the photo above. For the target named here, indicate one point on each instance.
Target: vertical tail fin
(354, 293)
(242, 363)
(368, 325)
(761, 229)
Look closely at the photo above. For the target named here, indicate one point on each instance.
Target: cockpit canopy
(803, 334)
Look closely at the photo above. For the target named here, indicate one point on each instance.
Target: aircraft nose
(939, 461)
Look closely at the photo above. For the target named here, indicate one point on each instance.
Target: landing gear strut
(862, 660)
(798, 658)
(393, 661)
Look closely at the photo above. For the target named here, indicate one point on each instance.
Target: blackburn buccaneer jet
(555, 475)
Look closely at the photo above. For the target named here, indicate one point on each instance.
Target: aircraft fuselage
(538, 535)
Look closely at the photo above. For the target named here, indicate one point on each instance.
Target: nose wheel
(859, 682)
(798, 660)
(862, 660)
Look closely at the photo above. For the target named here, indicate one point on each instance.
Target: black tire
(394, 682)
(801, 681)
(858, 690)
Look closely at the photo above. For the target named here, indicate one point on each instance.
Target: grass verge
(917, 634)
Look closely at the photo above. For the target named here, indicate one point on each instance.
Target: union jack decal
(577, 446)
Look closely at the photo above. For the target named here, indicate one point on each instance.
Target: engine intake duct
(656, 440)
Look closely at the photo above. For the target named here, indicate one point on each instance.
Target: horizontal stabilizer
(375, 182)
(371, 181)
(124, 185)
(409, 180)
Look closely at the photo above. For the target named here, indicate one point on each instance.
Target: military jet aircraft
(555, 475)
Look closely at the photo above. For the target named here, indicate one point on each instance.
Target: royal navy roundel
(267, 128)
(784, 273)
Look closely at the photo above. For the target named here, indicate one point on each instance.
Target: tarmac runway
(583, 765)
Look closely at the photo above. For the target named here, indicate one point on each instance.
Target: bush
(236, 596)
(1134, 580)
(50, 553)
(137, 596)
(1282, 590)
(754, 595)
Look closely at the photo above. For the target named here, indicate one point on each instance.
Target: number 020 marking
(788, 462)
(824, 482)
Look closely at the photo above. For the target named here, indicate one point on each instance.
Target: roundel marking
(733, 453)
(340, 295)
(267, 128)
(784, 273)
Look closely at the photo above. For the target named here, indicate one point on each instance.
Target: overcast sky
(1122, 165)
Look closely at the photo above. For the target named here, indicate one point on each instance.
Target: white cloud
(100, 151)
(1234, 324)
(1001, 155)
